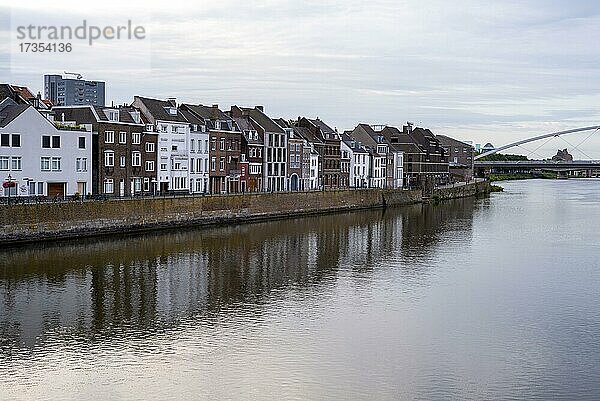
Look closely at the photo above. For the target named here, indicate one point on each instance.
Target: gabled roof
(88, 114)
(9, 110)
(400, 140)
(267, 124)
(326, 129)
(352, 144)
(246, 125)
(158, 109)
(210, 115)
(307, 134)
(448, 141)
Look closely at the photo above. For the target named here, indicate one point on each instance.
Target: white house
(173, 130)
(398, 168)
(42, 158)
(198, 149)
(360, 162)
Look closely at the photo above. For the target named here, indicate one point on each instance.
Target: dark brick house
(225, 146)
(329, 150)
(460, 158)
(252, 152)
(123, 155)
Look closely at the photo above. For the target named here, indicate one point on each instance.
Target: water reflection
(93, 289)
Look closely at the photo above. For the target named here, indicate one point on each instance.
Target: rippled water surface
(497, 298)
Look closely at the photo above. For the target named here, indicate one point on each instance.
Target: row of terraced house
(158, 146)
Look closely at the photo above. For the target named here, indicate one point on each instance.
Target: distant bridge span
(537, 138)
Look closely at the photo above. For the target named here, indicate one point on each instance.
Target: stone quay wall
(50, 221)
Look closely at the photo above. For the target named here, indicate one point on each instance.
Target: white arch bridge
(593, 128)
(547, 165)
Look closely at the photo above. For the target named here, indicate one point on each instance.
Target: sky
(482, 71)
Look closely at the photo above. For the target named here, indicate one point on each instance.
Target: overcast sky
(482, 71)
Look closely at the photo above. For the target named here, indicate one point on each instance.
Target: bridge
(592, 167)
(558, 134)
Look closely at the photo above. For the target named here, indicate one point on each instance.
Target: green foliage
(503, 158)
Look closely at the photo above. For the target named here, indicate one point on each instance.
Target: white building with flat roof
(42, 158)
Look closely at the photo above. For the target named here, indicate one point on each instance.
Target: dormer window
(217, 124)
(203, 128)
(135, 115)
(113, 115)
(149, 127)
(172, 110)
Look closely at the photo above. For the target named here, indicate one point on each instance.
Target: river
(494, 298)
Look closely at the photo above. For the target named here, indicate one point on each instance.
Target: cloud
(483, 71)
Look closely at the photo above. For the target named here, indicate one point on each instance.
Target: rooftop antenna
(76, 74)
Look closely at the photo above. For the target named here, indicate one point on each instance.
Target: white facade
(44, 160)
(398, 169)
(173, 155)
(199, 168)
(314, 170)
(360, 169)
(379, 161)
(275, 164)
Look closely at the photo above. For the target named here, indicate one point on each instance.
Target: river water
(495, 298)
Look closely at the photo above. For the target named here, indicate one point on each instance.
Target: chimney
(215, 106)
(261, 108)
(172, 101)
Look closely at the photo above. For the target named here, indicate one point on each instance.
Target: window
(150, 147)
(56, 142)
(82, 142)
(45, 164)
(146, 184)
(222, 144)
(5, 140)
(122, 137)
(222, 164)
(136, 159)
(3, 163)
(163, 167)
(206, 146)
(136, 138)
(174, 148)
(109, 158)
(56, 164)
(217, 124)
(122, 161)
(109, 186)
(149, 166)
(81, 164)
(137, 184)
(213, 163)
(40, 188)
(192, 145)
(46, 141)
(16, 140)
(15, 164)
(113, 115)
(109, 137)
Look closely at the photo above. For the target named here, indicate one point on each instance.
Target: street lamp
(9, 184)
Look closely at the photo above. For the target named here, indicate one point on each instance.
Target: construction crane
(78, 75)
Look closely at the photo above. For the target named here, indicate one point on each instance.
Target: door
(56, 189)
(122, 187)
(294, 182)
(82, 188)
